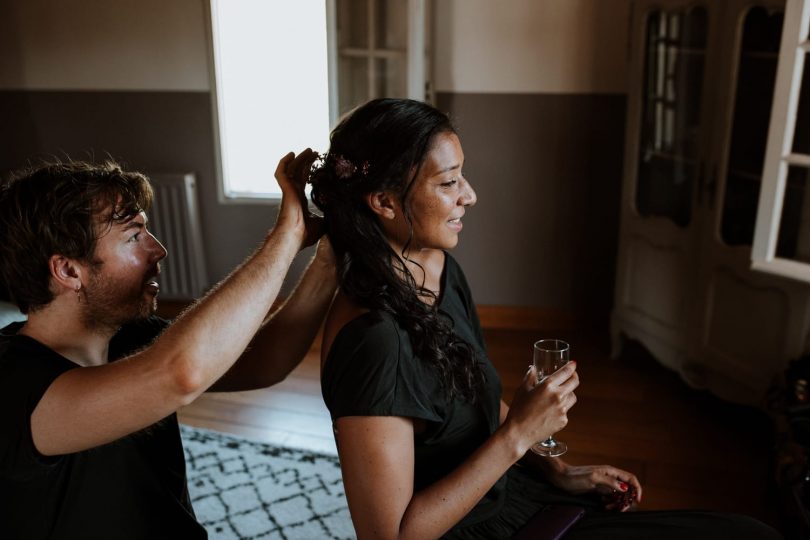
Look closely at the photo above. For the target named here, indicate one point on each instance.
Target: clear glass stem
(551, 447)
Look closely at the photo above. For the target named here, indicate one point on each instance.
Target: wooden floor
(688, 449)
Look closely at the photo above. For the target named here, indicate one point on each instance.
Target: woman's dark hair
(380, 147)
(60, 208)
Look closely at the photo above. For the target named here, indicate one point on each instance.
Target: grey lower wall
(547, 170)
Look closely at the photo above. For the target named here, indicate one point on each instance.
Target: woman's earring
(79, 293)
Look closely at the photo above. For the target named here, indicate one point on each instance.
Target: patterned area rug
(244, 490)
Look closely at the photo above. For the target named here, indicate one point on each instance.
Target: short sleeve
(371, 371)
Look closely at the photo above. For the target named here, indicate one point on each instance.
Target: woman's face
(438, 197)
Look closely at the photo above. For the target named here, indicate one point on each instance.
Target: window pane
(352, 82)
(392, 24)
(257, 43)
(756, 76)
(670, 125)
(389, 78)
(801, 137)
(794, 227)
(352, 24)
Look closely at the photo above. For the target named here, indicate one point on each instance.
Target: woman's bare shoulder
(343, 311)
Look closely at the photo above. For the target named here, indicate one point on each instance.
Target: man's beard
(107, 305)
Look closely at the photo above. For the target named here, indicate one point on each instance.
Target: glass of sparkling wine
(549, 356)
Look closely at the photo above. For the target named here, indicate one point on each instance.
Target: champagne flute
(549, 356)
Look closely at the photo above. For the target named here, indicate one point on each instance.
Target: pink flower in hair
(344, 169)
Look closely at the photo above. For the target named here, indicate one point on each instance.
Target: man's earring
(79, 293)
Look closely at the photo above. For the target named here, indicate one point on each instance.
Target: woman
(427, 447)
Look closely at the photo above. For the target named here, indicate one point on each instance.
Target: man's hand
(292, 174)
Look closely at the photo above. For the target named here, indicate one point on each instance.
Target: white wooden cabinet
(699, 100)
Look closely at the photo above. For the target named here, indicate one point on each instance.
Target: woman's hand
(292, 174)
(602, 479)
(538, 411)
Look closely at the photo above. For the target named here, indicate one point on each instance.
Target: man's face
(123, 279)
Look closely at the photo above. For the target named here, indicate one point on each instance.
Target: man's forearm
(208, 338)
(288, 334)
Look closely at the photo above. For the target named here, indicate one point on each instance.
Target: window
(284, 72)
(271, 89)
(782, 234)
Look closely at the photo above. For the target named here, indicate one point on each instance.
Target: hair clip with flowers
(345, 169)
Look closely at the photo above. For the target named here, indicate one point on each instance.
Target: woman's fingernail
(622, 486)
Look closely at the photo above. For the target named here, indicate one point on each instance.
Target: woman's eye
(449, 183)
(135, 237)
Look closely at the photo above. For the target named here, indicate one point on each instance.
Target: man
(89, 384)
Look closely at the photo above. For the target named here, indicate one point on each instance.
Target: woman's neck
(426, 267)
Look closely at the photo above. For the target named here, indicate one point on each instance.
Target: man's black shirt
(134, 487)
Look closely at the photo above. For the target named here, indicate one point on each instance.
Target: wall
(536, 87)
(97, 45)
(531, 46)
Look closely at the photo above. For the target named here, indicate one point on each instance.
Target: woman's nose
(468, 197)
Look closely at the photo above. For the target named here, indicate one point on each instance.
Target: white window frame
(778, 155)
(416, 77)
(219, 172)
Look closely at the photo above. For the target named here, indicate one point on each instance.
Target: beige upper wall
(495, 46)
(531, 46)
(103, 45)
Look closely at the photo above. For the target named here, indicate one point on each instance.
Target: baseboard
(492, 316)
(525, 318)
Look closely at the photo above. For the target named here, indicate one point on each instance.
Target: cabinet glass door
(669, 153)
(756, 77)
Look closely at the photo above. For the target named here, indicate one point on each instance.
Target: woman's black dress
(371, 370)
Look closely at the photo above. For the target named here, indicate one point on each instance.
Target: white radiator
(174, 219)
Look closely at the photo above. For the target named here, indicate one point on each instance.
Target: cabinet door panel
(653, 286)
(665, 141)
(744, 336)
